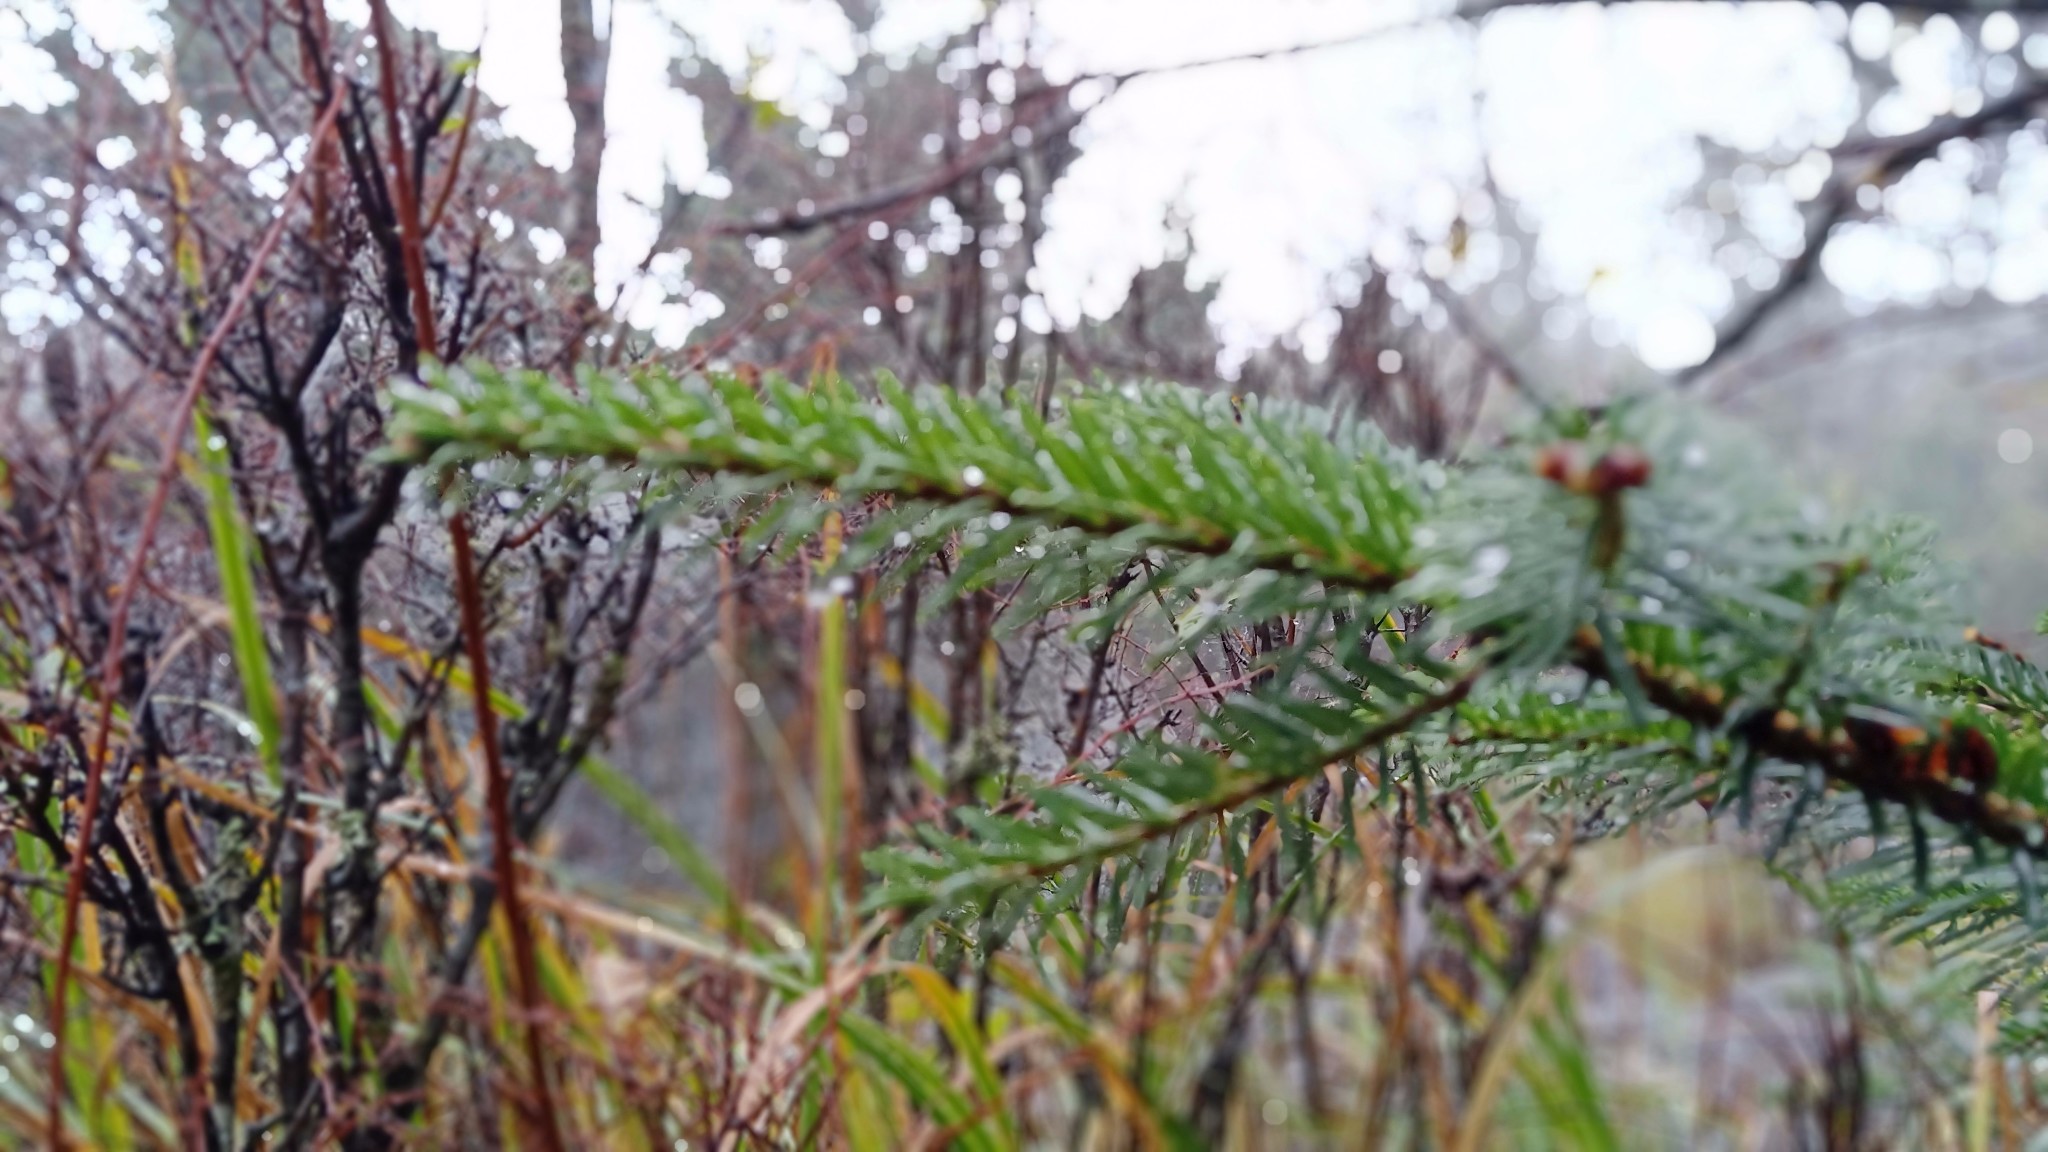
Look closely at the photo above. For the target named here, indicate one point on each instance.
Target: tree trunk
(585, 60)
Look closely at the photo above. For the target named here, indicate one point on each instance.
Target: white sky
(1289, 172)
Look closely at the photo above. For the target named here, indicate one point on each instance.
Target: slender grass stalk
(231, 557)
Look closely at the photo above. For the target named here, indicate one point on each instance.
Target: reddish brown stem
(408, 205)
(455, 161)
(469, 595)
(498, 798)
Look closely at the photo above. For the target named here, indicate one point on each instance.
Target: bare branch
(1839, 201)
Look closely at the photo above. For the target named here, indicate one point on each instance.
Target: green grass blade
(231, 554)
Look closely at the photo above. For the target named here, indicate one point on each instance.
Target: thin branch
(1255, 787)
(498, 789)
(2003, 821)
(1006, 149)
(1839, 201)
